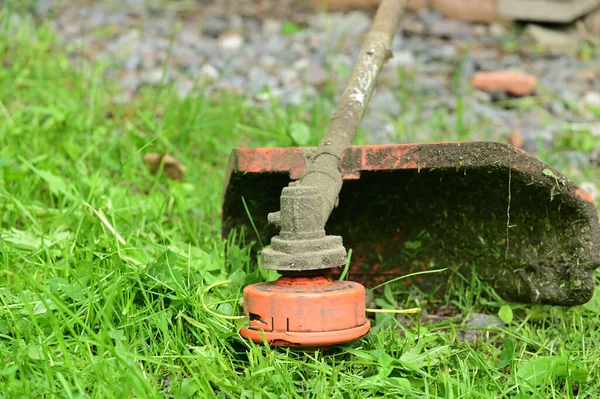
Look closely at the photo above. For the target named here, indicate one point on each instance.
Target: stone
(482, 96)
(184, 87)
(316, 75)
(236, 22)
(42, 7)
(231, 41)
(497, 29)
(429, 17)
(594, 158)
(516, 139)
(592, 99)
(576, 160)
(384, 101)
(152, 76)
(375, 128)
(209, 72)
(432, 85)
(534, 137)
(135, 3)
(129, 81)
(235, 83)
(344, 5)
(513, 82)
(484, 55)
(416, 5)
(173, 168)
(444, 52)
(213, 26)
(258, 79)
(546, 10)
(557, 108)
(511, 60)
(122, 98)
(479, 324)
(305, 96)
(301, 64)
(289, 78)
(188, 36)
(268, 60)
(403, 58)
(468, 10)
(151, 58)
(161, 43)
(133, 62)
(592, 23)
(552, 39)
(451, 29)
(271, 26)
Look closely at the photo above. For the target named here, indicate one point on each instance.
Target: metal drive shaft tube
(306, 205)
(324, 172)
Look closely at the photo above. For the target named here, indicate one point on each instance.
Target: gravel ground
(240, 46)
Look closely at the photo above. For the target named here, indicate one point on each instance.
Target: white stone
(231, 41)
(592, 98)
(209, 71)
(404, 58)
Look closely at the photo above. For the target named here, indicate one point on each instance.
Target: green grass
(85, 312)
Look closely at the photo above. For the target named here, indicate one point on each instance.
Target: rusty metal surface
(525, 228)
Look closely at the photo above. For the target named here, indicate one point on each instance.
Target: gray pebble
(42, 7)
(403, 58)
(557, 108)
(497, 30)
(258, 79)
(129, 82)
(135, 3)
(482, 96)
(510, 61)
(152, 76)
(188, 36)
(451, 29)
(272, 26)
(301, 64)
(375, 130)
(478, 324)
(316, 75)
(429, 17)
(184, 87)
(133, 62)
(236, 22)
(532, 137)
(214, 26)
(384, 101)
(245, 54)
(289, 78)
(444, 52)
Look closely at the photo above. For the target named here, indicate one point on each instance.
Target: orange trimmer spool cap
(307, 311)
